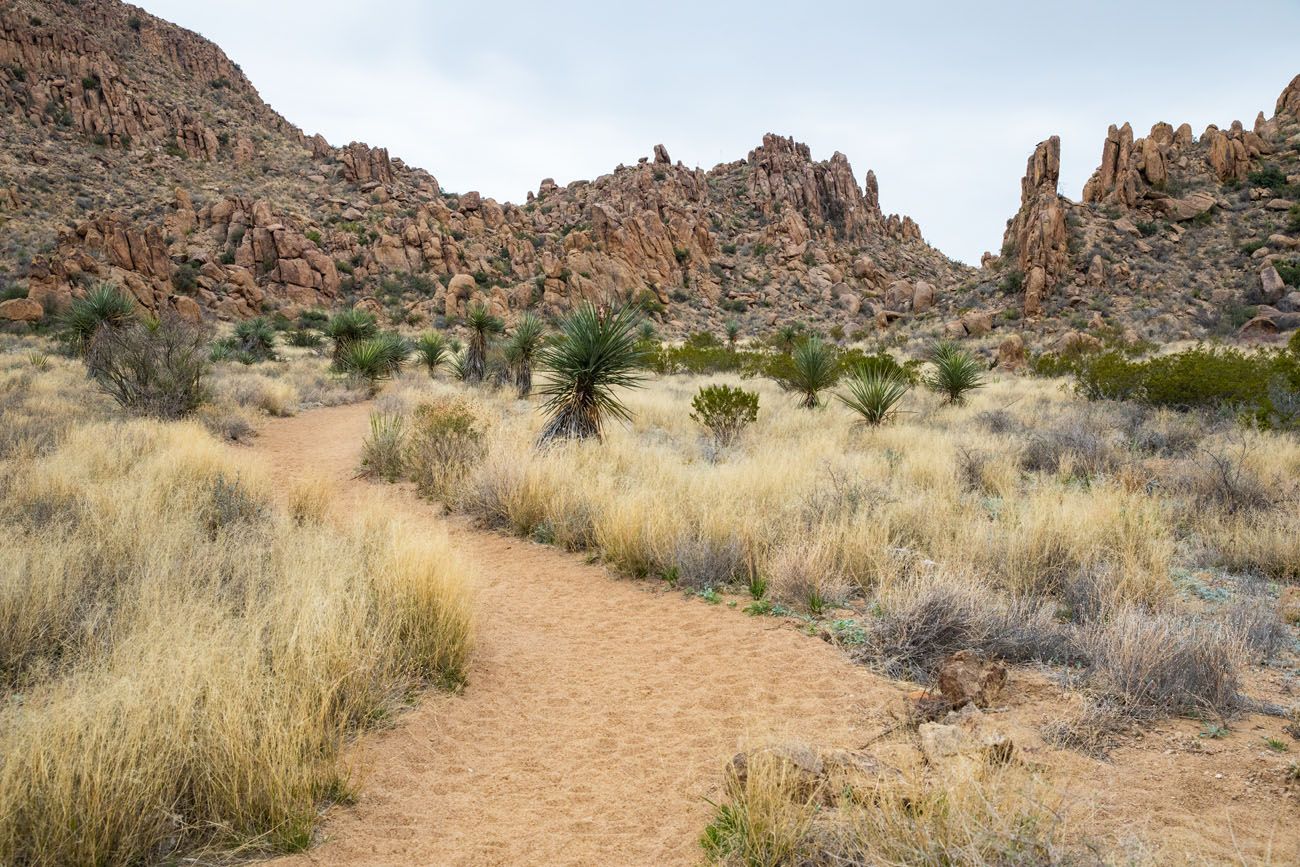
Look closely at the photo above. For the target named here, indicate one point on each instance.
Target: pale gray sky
(945, 100)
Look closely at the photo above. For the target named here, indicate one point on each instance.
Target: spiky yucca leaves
(374, 359)
(732, 332)
(813, 368)
(433, 350)
(874, 394)
(596, 352)
(254, 339)
(786, 337)
(103, 305)
(521, 351)
(350, 326)
(955, 373)
(482, 325)
(458, 365)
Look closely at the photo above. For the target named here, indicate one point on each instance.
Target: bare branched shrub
(1258, 625)
(1093, 729)
(155, 368)
(924, 621)
(1155, 664)
(1082, 446)
(1225, 478)
(703, 561)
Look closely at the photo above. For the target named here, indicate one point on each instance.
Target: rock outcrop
(1036, 235)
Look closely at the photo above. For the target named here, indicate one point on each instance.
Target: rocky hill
(1176, 237)
(137, 152)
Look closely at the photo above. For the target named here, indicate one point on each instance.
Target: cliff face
(137, 152)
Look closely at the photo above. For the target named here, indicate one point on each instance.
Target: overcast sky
(945, 100)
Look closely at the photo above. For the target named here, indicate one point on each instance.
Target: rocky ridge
(137, 152)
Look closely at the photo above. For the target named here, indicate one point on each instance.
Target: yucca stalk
(433, 350)
(482, 325)
(596, 353)
(813, 369)
(103, 305)
(956, 372)
(521, 351)
(874, 394)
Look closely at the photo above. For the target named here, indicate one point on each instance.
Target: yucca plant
(103, 305)
(595, 353)
(956, 372)
(458, 365)
(813, 368)
(521, 351)
(374, 359)
(433, 350)
(255, 338)
(874, 394)
(482, 325)
(733, 332)
(350, 326)
(787, 336)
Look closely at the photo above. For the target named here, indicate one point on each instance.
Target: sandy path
(599, 712)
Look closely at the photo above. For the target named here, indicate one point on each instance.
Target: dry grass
(181, 659)
(301, 380)
(963, 815)
(943, 486)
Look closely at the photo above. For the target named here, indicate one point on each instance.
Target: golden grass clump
(979, 813)
(181, 659)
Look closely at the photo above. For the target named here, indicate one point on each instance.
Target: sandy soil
(600, 713)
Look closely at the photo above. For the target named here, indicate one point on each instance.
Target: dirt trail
(599, 712)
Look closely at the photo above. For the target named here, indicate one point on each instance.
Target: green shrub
(1289, 272)
(1259, 386)
(1293, 218)
(1270, 177)
(956, 372)
(726, 411)
(156, 368)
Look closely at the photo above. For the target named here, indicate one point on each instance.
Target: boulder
(977, 322)
(1011, 352)
(922, 297)
(966, 677)
(1270, 284)
(21, 310)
